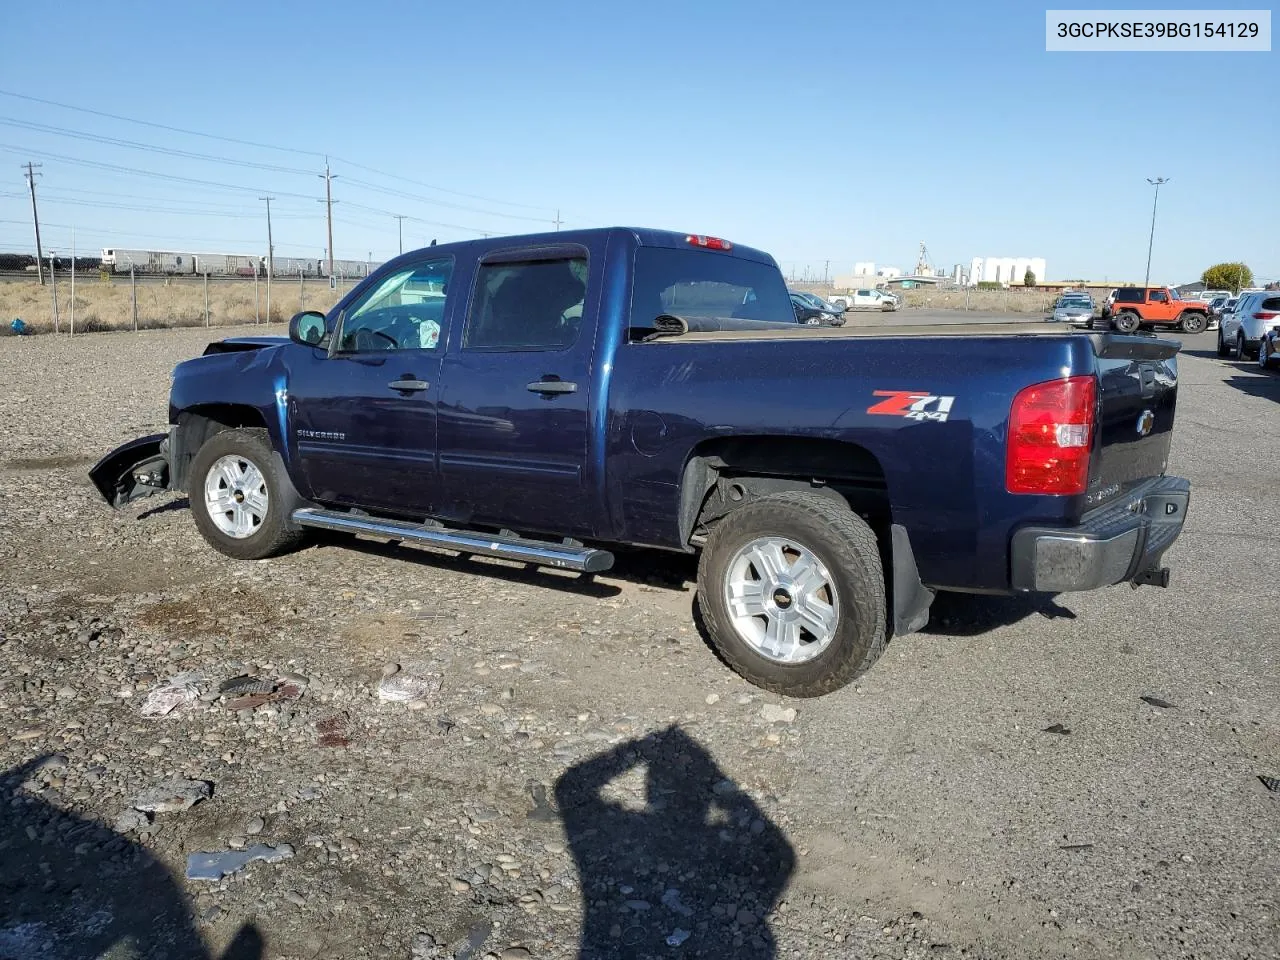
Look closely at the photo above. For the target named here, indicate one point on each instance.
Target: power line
(266, 146)
(148, 147)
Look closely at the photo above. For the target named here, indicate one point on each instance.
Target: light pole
(400, 217)
(1151, 241)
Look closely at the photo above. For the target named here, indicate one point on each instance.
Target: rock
(745, 918)
(67, 693)
(713, 698)
(294, 897)
(254, 826)
(491, 710)
(172, 796)
(1157, 702)
(391, 669)
(776, 713)
(131, 821)
(515, 953)
(460, 886)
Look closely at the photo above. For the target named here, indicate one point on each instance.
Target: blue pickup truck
(549, 398)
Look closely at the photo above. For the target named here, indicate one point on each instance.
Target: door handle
(408, 385)
(552, 386)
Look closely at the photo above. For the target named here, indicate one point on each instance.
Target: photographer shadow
(695, 864)
(71, 888)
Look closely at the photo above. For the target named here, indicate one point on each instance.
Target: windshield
(694, 283)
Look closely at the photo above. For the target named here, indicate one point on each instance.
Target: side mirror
(307, 327)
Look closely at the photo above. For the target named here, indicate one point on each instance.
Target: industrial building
(1005, 270)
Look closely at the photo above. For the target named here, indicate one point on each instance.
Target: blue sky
(819, 131)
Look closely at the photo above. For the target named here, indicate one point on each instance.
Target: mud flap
(135, 470)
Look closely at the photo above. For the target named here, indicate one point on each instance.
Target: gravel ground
(579, 774)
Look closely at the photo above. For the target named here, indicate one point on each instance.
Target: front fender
(134, 470)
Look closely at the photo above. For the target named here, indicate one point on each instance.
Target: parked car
(869, 299)
(1135, 307)
(1242, 329)
(1269, 348)
(810, 315)
(815, 301)
(582, 389)
(1075, 310)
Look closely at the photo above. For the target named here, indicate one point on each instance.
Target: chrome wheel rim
(235, 494)
(782, 600)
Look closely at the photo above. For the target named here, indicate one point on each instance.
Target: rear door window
(527, 305)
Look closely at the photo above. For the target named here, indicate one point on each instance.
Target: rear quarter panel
(945, 480)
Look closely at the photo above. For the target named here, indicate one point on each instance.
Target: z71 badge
(912, 404)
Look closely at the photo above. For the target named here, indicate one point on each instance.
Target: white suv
(1242, 329)
(866, 299)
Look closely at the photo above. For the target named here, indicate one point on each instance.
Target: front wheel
(792, 591)
(1239, 351)
(239, 497)
(1223, 351)
(1127, 322)
(1192, 322)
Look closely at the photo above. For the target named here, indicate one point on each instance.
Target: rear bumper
(1115, 544)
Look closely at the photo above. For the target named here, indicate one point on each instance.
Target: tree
(1029, 278)
(1227, 276)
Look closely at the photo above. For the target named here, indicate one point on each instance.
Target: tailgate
(1138, 389)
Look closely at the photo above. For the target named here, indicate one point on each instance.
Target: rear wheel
(239, 497)
(792, 591)
(1127, 322)
(1192, 321)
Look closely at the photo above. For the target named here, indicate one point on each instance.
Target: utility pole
(826, 265)
(270, 255)
(558, 221)
(398, 216)
(35, 217)
(328, 205)
(1151, 241)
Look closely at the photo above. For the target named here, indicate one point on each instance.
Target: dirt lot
(580, 775)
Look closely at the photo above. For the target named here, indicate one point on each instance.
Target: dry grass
(107, 304)
(1012, 300)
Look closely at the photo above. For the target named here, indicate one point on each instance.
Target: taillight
(1050, 426)
(1265, 315)
(711, 243)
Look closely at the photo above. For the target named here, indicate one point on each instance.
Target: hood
(241, 344)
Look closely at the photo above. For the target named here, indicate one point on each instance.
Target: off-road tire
(1192, 322)
(1127, 321)
(273, 535)
(847, 547)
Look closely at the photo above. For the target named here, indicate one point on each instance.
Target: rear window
(1271, 303)
(1129, 296)
(694, 283)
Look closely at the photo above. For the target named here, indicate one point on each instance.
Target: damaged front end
(135, 470)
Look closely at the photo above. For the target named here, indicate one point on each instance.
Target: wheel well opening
(723, 474)
(196, 426)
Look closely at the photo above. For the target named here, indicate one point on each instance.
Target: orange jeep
(1134, 307)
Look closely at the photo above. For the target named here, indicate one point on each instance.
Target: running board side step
(560, 556)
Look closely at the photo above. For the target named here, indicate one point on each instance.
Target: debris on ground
(475, 940)
(678, 937)
(671, 900)
(335, 731)
(245, 685)
(172, 796)
(541, 811)
(1271, 783)
(776, 713)
(181, 690)
(1076, 846)
(1058, 729)
(1157, 702)
(407, 687)
(214, 865)
(275, 691)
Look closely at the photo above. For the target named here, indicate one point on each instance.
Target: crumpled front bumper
(133, 470)
(1118, 543)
